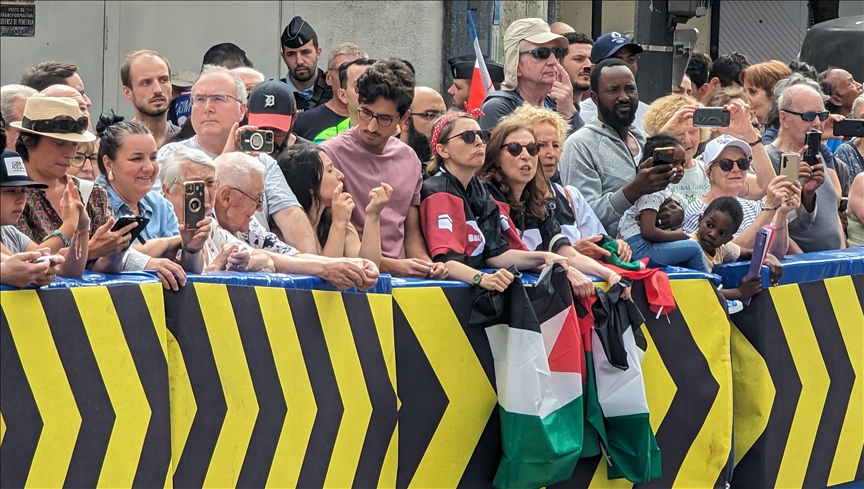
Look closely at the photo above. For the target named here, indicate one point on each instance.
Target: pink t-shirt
(366, 168)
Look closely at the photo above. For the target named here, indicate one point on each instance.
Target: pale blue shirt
(163, 222)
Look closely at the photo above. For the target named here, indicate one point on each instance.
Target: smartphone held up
(193, 204)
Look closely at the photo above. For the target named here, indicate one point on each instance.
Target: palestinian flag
(539, 360)
(616, 415)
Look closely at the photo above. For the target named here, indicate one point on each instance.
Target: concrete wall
(73, 31)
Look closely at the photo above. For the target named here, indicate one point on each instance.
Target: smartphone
(844, 203)
(789, 164)
(135, 233)
(814, 143)
(43, 259)
(664, 156)
(261, 141)
(711, 117)
(193, 199)
(849, 128)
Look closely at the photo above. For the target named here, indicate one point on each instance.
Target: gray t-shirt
(277, 193)
(824, 233)
(13, 239)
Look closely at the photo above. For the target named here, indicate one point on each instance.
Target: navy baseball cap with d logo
(271, 104)
(12, 172)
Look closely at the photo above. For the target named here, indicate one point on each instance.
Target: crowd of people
(367, 172)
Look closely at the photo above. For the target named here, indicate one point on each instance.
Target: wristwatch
(477, 278)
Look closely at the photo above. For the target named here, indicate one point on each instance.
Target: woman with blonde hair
(577, 220)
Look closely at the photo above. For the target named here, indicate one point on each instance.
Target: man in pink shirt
(368, 155)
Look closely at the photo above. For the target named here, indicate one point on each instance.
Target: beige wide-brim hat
(533, 30)
(47, 108)
(184, 78)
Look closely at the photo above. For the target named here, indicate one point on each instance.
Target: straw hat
(39, 109)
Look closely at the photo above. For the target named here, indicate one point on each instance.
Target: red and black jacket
(460, 224)
(527, 232)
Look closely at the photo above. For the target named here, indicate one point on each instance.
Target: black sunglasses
(810, 115)
(515, 149)
(726, 164)
(544, 53)
(470, 136)
(62, 124)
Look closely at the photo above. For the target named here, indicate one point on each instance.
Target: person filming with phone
(802, 111)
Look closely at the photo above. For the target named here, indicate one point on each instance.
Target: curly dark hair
(659, 141)
(388, 78)
(729, 206)
(728, 69)
(49, 73)
(535, 197)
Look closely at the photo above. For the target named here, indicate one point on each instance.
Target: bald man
(561, 28)
(249, 76)
(417, 129)
(67, 91)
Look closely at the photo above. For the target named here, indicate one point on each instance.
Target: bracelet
(189, 250)
(770, 208)
(66, 242)
(86, 227)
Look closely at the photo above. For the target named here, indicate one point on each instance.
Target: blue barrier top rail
(808, 267)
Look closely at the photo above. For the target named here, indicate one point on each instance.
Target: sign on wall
(18, 18)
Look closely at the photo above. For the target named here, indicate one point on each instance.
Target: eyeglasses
(79, 160)
(810, 115)
(470, 136)
(62, 124)
(259, 203)
(217, 98)
(726, 164)
(515, 149)
(212, 184)
(428, 115)
(384, 120)
(544, 53)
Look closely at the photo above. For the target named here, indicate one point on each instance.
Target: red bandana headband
(436, 133)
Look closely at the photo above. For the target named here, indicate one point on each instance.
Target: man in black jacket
(300, 52)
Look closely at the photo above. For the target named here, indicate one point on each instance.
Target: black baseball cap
(298, 33)
(12, 172)
(462, 68)
(271, 104)
(608, 44)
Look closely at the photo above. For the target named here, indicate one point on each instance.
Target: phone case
(193, 204)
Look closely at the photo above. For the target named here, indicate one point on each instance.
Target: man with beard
(614, 45)
(427, 106)
(577, 63)
(272, 107)
(462, 70)
(601, 159)
(146, 78)
(300, 52)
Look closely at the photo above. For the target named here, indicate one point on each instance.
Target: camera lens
(189, 189)
(256, 141)
(194, 205)
(268, 137)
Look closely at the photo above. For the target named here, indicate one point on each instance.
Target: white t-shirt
(628, 226)
(695, 184)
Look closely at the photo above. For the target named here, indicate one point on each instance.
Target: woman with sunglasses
(459, 219)
(728, 160)
(84, 165)
(511, 175)
(318, 186)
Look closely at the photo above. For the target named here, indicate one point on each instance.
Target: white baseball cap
(718, 144)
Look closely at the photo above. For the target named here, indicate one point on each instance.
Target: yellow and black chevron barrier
(84, 397)
(798, 354)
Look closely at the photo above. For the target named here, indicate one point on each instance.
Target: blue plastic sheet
(282, 280)
(807, 267)
(91, 279)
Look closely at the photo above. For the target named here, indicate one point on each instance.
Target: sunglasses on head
(544, 53)
(470, 136)
(59, 125)
(810, 115)
(515, 149)
(726, 164)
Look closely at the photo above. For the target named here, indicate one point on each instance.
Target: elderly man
(218, 106)
(240, 192)
(841, 88)
(67, 91)
(12, 100)
(532, 73)
(427, 106)
(146, 79)
(249, 76)
(329, 119)
(801, 109)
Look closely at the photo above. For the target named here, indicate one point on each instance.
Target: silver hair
(778, 101)
(236, 170)
(246, 69)
(239, 86)
(345, 49)
(857, 104)
(8, 95)
(171, 169)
